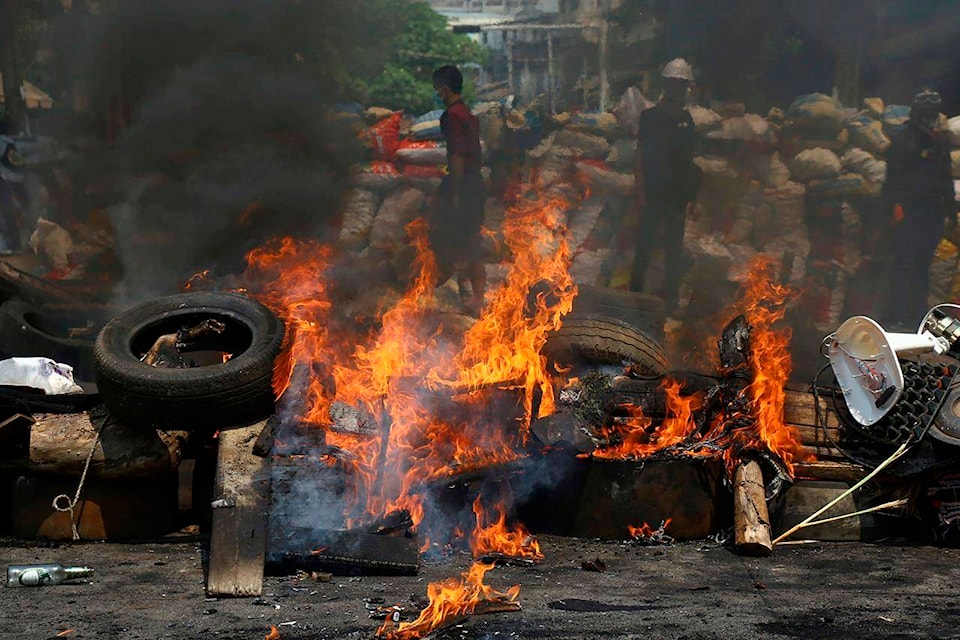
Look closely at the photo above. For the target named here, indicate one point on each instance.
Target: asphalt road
(691, 590)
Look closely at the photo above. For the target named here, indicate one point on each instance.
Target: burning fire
(404, 372)
(451, 599)
(505, 344)
(637, 439)
(497, 538)
(763, 305)
(196, 279)
(645, 530)
(273, 635)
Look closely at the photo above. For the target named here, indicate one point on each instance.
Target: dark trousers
(913, 244)
(9, 222)
(668, 217)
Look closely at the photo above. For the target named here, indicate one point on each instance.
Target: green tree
(423, 44)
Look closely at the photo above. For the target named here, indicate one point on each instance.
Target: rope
(70, 504)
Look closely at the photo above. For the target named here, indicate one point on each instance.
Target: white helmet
(679, 69)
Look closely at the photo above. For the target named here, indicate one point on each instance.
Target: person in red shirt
(458, 215)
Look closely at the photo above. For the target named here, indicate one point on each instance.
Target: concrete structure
(556, 48)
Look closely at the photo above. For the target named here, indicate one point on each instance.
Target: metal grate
(925, 387)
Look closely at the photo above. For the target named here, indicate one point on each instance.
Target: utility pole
(604, 78)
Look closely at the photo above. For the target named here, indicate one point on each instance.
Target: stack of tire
(612, 327)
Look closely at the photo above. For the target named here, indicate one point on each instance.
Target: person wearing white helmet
(667, 180)
(919, 196)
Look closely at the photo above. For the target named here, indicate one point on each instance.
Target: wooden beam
(241, 500)
(799, 408)
(830, 470)
(61, 442)
(751, 519)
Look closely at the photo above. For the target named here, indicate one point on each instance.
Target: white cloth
(39, 373)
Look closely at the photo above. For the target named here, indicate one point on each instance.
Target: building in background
(558, 49)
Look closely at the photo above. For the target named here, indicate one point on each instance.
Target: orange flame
(505, 344)
(637, 440)
(764, 305)
(291, 275)
(497, 538)
(273, 635)
(450, 599)
(645, 530)
(403, 372)
(196, 279)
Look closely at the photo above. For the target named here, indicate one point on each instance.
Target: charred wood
(350, 552)
(268, 435)
(393, 522)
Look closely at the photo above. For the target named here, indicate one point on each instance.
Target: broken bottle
(39, 575)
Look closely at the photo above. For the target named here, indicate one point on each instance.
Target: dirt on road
(691, 590)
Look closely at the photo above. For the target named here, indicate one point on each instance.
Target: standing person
(667, 180)
(11, 178)
(919, 196)
(457, 218)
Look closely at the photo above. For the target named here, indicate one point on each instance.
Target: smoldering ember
(477, 319)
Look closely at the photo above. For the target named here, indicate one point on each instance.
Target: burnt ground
(689, 590)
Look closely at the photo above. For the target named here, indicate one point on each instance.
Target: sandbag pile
(406, 161)
(768, 180)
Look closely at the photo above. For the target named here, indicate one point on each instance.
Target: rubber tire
(646, 394)
(236, 393)
(601, 340)
(649, 394)
(23, 338)
(645, 311)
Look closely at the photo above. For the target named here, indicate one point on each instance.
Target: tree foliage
(423, 44)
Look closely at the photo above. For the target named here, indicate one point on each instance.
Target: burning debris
(494, 542)
(383, 400)
(451, 601)
(647, 535)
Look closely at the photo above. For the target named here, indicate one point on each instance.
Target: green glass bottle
(41, 575)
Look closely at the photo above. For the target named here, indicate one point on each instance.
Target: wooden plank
(812, 436)
(351, 552)
(830, 470)
(107, 510)
(822, 452)
(241, 500)
(800, 409)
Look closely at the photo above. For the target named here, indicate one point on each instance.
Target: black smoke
(220, 114)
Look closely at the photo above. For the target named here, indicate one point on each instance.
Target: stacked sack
(406, 161)
(593, 150)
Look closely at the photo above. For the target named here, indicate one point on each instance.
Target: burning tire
(214, 395)
(601, 340)
(642, 310)
(28, 331)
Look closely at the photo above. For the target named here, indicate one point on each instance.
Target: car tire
(28, 331)
(216, 396)
(642, 310)
(598, 339)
